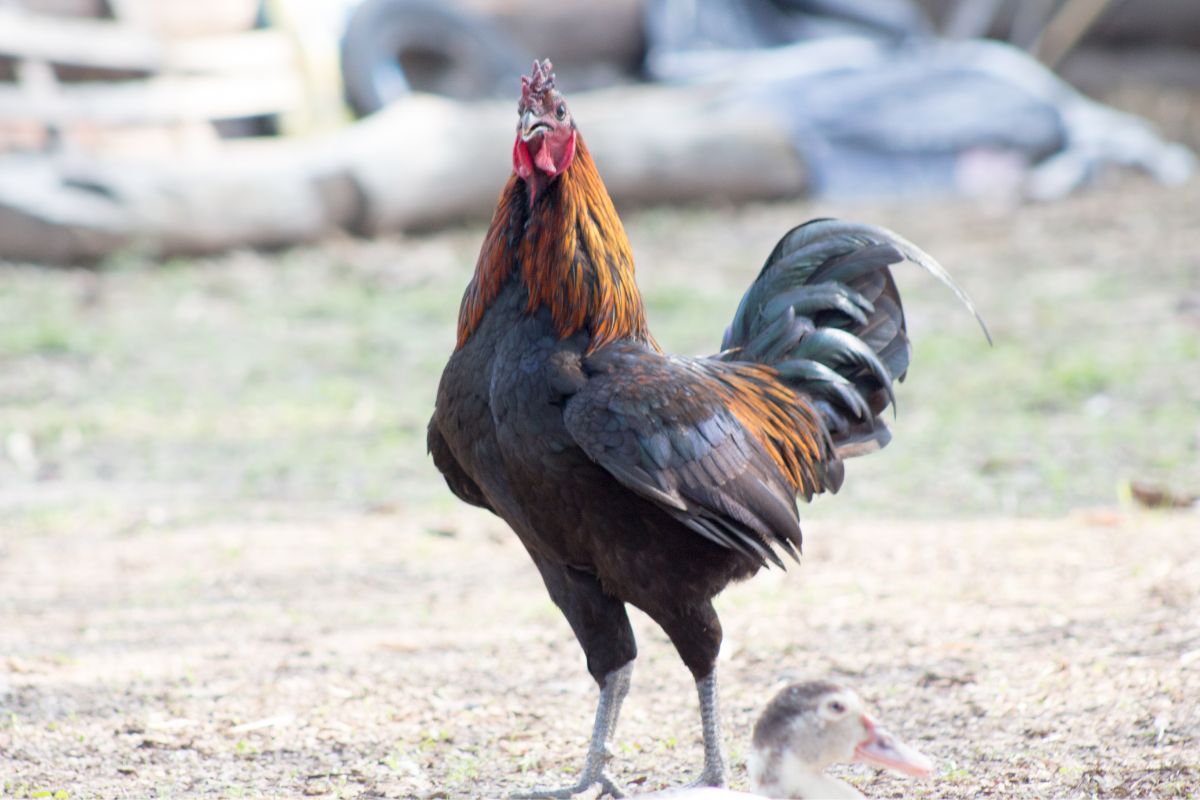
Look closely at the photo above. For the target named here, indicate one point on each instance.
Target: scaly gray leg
(612, 694)
(710, 722)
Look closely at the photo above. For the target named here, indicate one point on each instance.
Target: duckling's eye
(837, 707)
(561, 111)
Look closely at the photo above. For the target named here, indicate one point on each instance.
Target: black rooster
(634, 476)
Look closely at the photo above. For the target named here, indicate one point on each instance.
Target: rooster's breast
(511, 439)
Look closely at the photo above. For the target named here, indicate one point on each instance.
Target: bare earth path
(397, 657)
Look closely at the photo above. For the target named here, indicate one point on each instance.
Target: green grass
(144, 394)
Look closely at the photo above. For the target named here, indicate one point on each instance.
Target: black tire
(392, 47)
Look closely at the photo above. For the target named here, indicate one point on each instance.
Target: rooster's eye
(561, 111)
(837, 707)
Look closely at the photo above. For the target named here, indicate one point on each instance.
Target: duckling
(805, 728)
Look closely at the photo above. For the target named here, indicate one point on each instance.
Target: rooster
(632, 476)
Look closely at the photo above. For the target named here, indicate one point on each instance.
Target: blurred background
(235, 234)
(233, 239)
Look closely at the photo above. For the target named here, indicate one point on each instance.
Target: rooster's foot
(709, 777)
(586, 787)
(594, 781)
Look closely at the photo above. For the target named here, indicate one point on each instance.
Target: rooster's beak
(531, 126)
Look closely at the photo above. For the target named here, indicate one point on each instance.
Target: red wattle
(522, 163)
(541, 167)
(544, 161)
(566, 156)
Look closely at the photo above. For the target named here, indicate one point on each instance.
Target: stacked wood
(142, 169)
(158, 74)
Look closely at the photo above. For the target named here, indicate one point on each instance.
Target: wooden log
(45, 219)
(426, 161)
(157, 100)
(712, 149)
(70, 211)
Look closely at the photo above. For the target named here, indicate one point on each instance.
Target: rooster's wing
(665, 428)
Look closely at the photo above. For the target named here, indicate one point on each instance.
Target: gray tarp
(878, 105)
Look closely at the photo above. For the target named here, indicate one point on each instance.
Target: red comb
(541, 82)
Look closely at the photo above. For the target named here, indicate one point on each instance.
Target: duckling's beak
(883, 749)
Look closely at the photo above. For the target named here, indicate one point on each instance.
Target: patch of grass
(246, 748)
(231, 386)
(955, 774)
(462, 766)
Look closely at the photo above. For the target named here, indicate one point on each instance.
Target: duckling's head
(808, 726)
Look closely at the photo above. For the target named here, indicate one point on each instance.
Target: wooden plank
(186, 19)
(252, 52)
(157, 100)
(110, 45)
(64, 8)
(77, 42)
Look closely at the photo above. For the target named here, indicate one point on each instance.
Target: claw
(593, 777)
(608, 788)
(709, 777)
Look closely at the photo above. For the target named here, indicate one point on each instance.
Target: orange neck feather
(571, 253)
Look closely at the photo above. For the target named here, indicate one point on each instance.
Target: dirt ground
(227, 568)
(386, 657)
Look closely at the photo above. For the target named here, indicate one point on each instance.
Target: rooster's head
(545, 142)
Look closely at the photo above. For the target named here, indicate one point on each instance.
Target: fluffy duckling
(804, 729)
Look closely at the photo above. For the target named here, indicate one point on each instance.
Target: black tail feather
(826, 314)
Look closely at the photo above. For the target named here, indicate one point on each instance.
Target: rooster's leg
(696, 634)
(710, 722)
(601, 625)
(612, 693)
